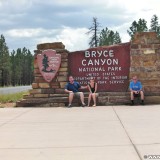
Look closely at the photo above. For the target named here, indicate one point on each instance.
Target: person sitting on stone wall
(92, 87)
(136, 90)
(72, 87)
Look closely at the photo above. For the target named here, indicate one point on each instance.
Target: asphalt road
(8, 90)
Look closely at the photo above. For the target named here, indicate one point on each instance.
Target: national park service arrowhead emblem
(48, 63)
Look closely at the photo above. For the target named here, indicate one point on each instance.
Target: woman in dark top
(92, 86)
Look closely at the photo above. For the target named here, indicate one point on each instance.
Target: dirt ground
(7, 105)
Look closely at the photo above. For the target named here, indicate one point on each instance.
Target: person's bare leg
(132, 96)
(142, 95)
(82, 97)
(94, 98)
(89, 99)
(71, 97)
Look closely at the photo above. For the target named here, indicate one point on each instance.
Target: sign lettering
(108, 65)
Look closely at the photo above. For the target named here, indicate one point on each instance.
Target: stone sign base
(144, 62)
(103, 99)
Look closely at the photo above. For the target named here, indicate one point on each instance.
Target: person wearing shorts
(136, 90)
(92, 87)
(72, 87)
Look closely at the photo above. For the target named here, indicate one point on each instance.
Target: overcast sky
(26, 23)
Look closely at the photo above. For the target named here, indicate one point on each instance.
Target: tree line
(110, 37)
(16, 68)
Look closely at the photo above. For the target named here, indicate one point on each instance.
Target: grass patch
(7, 98)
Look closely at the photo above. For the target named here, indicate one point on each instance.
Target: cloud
(26, 23)
(14, 6)
(73, 38)
(29, 33)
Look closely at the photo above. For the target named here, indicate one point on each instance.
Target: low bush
(6, 98)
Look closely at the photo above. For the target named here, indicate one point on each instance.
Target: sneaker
(69, 106)
(142, 103)
(83, 105)
(94, 105)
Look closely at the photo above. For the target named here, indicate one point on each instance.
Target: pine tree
(19, 64)
(108, 37)
(140, 26)
(22, 67)
(5, 65)
(94, 31)
(155, 27)
(13, 68)
(117, 38)
(29, 67)
(45, 63)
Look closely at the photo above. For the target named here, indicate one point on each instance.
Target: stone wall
(145, 63)
(145, 60)
(48, 93)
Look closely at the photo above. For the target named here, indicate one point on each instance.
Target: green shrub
(5, 98)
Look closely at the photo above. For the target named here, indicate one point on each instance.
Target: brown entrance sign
(49, 63)
(109, 65)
